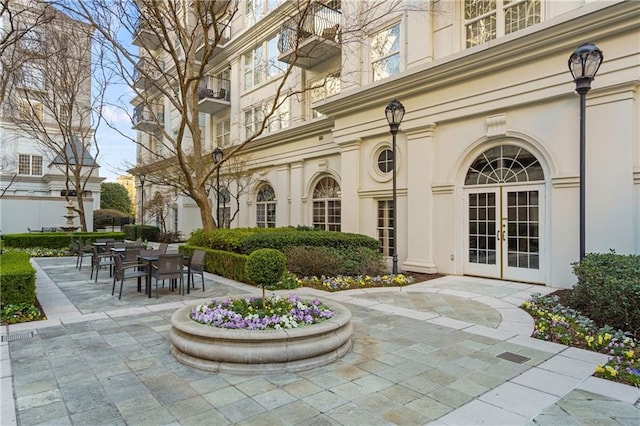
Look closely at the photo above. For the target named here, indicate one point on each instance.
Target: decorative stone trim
(260, 351)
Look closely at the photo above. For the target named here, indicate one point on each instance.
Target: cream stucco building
(487, 153)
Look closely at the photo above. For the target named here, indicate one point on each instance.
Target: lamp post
(217, 156)
(142, 179)
(394, 113)
(584, 63)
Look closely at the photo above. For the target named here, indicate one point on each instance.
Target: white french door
(503, 232)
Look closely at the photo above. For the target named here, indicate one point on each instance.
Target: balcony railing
(146, 37)
(225, 36)
(147, 119)
(214, 94)
(145, 73)
(311, 39)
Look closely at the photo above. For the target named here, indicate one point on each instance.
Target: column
(419, 244)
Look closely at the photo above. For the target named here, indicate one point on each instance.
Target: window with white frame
(262, 64)
(252, 120)
(256, 9)
(30, 110)
(485, 20)
(280, 118)
(266, 207)
(32, 40)
(63, 113)
(223, 133)
(253, 67)
(324, 88)
(385, 52)
(385, 160)
(33, 77)
(274, 66)
(30, 165)
(327, 206)
(385, 226)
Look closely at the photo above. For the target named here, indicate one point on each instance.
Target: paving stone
(324, 401)
(241, 409)
(42, 413)
(188, 407)
(351, 414)
(273, 398)
(209, 417)
(154, 417)
(255, 386)
(106, 414)
(137, 404)
(224, 396)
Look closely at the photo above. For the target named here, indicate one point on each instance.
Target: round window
(385, 161)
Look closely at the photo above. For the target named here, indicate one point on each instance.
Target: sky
(117, 152)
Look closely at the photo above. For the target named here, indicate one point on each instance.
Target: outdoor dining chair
(168, 267)
(99, 260)
(196, 266)
(81, 251)
(162, 248)
(123, 271)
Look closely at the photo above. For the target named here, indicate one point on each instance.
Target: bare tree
(57, 96)
(177, 41)
(19, 36)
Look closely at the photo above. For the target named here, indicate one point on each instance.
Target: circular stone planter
(241, 351)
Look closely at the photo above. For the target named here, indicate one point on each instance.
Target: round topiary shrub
(265, 267)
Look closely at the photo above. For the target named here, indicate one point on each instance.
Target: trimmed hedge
(220, 262)
(608, 290)
(143, 232)
(55, 240)
(266, 266)
(110, 217)
(246, 240)
(17, 279)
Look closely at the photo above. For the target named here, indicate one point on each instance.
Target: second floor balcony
(306, 41)
(214, 94)
(225, 36)
(146, 73)
(148, 119)
(145, 36)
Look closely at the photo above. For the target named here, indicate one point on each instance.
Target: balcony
(145, 37)
(146, 74)
(225, 36)
(214, 94)
(148, 120)
(312, 39)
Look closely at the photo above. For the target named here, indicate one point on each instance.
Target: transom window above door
(504, 164)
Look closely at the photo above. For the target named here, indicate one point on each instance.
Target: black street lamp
(217, 156)
(584, 63)
(394, 113)
(142, 179)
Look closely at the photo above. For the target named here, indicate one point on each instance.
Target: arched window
(326, 205)
(266, 207)
(504, 164)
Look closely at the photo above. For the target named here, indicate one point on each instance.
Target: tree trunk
(80, 209)
(206, 211)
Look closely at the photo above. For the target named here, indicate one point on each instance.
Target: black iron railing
(214, 87)
(142, 113)
(320, 21)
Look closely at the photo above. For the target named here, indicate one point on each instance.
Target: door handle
(498, 235)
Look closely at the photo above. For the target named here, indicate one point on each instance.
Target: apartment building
(45, 125)
(487, 154)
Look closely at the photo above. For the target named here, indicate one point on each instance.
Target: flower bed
(348, 283)
(249, 313)
(247, 349)
(557, 323)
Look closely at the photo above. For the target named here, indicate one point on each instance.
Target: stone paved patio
(440, 352)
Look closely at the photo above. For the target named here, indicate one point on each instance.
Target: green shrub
(143, 232)
(223, 263)
(110, 217)
(222, 239)
(608, 290)
(285, 238)
(265, 266)
(312, 261)
(54, 240)
(360, 261)
(17, 279)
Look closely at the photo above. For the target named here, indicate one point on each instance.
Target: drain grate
(510, 356)
(16, 336)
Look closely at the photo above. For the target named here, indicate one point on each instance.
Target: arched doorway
(504, 215)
